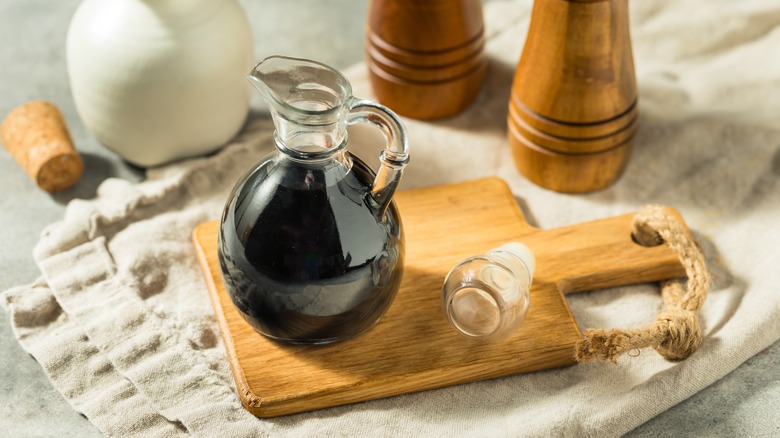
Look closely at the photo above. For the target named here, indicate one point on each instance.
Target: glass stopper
(487, 296)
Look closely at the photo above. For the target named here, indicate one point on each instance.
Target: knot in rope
(675, 334)
(682, 333)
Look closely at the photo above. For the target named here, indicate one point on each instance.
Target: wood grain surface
(573, 108)
(413, 348)
(426, 58)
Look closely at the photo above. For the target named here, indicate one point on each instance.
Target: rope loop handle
(675, 334)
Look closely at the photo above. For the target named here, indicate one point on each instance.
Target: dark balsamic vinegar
(303, 255)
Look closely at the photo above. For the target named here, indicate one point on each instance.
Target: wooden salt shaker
(573, 106)
(426, 57)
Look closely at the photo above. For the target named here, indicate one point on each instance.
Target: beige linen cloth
(121, 322)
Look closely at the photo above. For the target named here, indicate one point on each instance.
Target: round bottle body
(303, 255)
(157, 81)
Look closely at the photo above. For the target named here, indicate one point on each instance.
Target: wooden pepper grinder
(573, 106)
(426, 58)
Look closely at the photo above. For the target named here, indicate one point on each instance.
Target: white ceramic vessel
(160, 80)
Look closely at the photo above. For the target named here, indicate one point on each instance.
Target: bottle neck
(183, 12)
(309, 147)
(301, 135)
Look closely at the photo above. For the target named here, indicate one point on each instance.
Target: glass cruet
(311, 246)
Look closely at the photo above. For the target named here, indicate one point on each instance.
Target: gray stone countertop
(32, 66)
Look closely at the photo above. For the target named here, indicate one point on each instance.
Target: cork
(36, 137)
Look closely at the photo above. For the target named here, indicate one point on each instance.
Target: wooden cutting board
(413, 348)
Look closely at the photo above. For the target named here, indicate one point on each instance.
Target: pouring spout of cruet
(312, 105)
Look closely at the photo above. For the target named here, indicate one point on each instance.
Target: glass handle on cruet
(396, 154)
